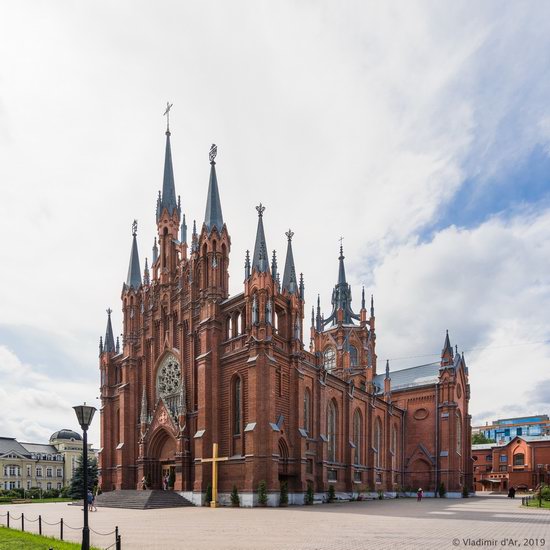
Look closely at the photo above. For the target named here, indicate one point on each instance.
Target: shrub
(441, 490)
(465, 492)
(171, 478)
(208, 495)
(235, 501)
(310, 495)
(283, 500)
(50, 493)
(65, 492)
(331, 495)
(380, 495)
(262, 493)
(34, 492)
(545, 492)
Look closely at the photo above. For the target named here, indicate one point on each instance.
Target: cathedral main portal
(163, 455)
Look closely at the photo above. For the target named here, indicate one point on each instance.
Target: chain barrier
(117, 545)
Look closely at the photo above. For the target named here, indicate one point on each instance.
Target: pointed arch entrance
(162, 451)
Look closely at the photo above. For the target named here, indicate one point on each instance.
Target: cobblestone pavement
(488, 521)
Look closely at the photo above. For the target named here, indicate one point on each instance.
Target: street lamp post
(85, 413)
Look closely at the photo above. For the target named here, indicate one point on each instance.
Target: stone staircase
(141, 500)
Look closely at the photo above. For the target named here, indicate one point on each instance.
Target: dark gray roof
(37, 448)
(66, 434)
(109, 342)
(422, 375)
(8, 444)
(260, 261)
(341, 296)
(213, 216)
(168, 197)
(290, 283)
(134, 271)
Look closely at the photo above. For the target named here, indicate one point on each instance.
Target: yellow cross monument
(215, 459)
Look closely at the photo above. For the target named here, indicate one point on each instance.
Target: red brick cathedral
(285, 403)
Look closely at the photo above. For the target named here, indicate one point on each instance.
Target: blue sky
(420, 131)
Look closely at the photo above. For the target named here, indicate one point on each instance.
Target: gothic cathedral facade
(283, 402)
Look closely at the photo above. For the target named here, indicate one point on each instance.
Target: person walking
(90, 500)
(419, 495)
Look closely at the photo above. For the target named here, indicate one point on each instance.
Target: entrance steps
(141, 500)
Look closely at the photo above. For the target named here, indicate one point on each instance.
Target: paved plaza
(401, 523)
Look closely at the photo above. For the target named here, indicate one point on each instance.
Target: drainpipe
(436, 439)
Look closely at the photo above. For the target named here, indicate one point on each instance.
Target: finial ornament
(341, 239)
(260, 208)
(167, 115)
(109, 311)
(212, 154)
(134, 228)
(289, 234)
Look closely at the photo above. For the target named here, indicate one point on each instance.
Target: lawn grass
(11, 539)
(38, 500)
(535, 503)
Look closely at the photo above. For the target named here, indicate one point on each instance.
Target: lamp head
(84, 413)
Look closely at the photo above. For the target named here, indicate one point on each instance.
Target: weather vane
(260, 208)
(167, 115)
(213, 152)
(289, 234)
(134, 228)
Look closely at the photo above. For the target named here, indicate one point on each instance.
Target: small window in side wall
(353, 356)
(237, 405)
(307, 409)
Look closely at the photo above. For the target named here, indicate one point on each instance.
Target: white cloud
(357, 118)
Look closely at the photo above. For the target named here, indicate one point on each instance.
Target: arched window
(331, 431)
(330, 359)
(229, 328)
(307, 409)
(237, 405)
(357, 440)
(353, 356)
(458, 435)
(393, 448)
(377, 443)
(238, 324)
(519, 459)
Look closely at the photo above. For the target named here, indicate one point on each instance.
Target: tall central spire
(168, 197)
(260, 261)
(290, 284)
(213, 216)
(109, 343)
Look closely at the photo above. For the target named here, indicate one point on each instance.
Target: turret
(447, 354)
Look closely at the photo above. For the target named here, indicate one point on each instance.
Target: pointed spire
(341, 269)
(387, 369)
(363, 298)
(155, 251)
(194, 238)
(100, 345)
(117, 347)
(447, 348)
(289, 275)
(312, 317)
(259, 259)
(301, 286)
(213, 216)
(134, 271)
(274, 272)
(109, 342)
(168, 196)
(319, 325)
(143, 414)
(341, 295)
(146, 276)
(372, 305)
(183, 231)
(247, 265)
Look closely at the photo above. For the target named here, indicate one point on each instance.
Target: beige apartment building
(44, 466)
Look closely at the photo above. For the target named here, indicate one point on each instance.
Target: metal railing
(12, 522)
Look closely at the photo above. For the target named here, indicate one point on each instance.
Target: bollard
(116, 532)
(8, 519)
(39, 525)
(22, 521)
(61, 528)
(118, 542)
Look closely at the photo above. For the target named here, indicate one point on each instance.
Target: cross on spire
(134, 228)
(167, 115)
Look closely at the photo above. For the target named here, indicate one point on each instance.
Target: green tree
(77, 483)
(208, 495)
(283, 500)
(310, 495)
(262, 493)
(235, 501)
(480, 439)
(331, 495)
